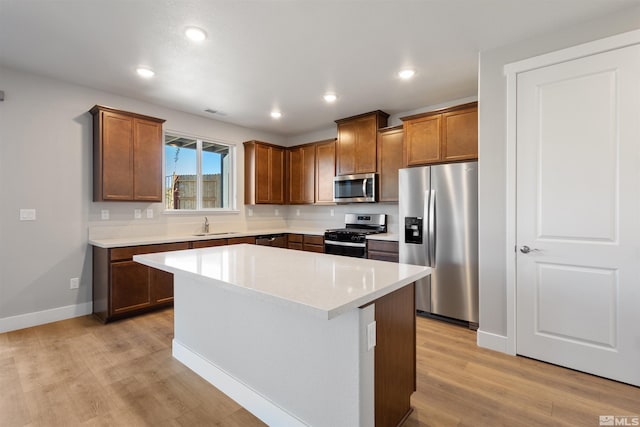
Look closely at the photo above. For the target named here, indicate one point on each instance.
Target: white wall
(492, 154)
(45, 163)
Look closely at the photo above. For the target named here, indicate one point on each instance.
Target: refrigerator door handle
(432, 228)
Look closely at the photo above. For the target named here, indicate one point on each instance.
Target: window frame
(233, 197)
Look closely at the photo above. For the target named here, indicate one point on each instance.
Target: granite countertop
(320, 284)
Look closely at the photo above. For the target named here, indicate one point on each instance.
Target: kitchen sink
(216, 234)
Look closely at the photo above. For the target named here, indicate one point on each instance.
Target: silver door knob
(526, 249)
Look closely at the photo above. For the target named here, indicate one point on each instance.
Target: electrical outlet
(331, 212)
(297, 212)
(104, 214)
(137, 213)
(27, 214)
(149, 213)
(277, 212)
(74, 283)
(250, 212)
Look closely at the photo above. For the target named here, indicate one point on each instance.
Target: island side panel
(395, 356)
(317, 371)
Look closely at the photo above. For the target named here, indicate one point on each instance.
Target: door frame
(511, 72)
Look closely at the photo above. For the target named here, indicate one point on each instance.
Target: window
(198, 174)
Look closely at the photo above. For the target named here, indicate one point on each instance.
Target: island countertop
(322, 285)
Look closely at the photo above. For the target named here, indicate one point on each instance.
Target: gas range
(352, 239)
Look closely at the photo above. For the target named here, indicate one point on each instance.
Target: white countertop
(323, 285)
(119, 242)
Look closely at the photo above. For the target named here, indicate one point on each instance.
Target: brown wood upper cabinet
(263, 173)
(441, 136)
(356, 144)
(301, 174)
(127, 156)
(389, 161)
(325, 170)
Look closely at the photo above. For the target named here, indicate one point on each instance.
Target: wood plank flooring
(79, 372)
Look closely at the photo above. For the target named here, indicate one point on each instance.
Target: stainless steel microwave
(355, 188)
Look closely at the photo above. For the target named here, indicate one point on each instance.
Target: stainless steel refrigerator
(439, 228)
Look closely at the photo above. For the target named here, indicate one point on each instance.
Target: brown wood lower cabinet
(382, 250)
(306, 242)
(294, 241)
(208, 243)
(122, 287)
(237, 240)
(311, 243)
(395, 356)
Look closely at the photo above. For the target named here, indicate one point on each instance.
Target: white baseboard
(28, 320)
(493, 342)
(252, 401)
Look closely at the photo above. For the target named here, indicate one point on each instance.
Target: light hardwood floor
(80, 372)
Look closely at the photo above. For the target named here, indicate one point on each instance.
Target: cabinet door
(294, 175)
(117, 156)
(129, 286)
(308, 173)
(161, 283)
(301, 174)
(262, 175)
(147, 161)
(365, 144)
(389, 161)
(346, 149)
(422, 140)
(276, 177)
(325, 171)
(460, 135)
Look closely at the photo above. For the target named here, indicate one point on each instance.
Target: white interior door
(578, 210)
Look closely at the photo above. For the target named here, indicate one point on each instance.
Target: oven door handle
(351, 244)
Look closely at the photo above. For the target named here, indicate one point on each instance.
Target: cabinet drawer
(382, 245)
(294, 245)
(382, 250)
(313, 240)
(208, 243)
(237, 240)
(129, 252)
(295, 238)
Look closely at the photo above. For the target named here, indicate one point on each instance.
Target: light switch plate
(27, 214)
(297, 212)
(277, 212)
(331, 212)
(74, 283)
(137, 213)
(104, 214)
(149, 213)
(250, 212)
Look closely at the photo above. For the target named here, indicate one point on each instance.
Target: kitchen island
(297, 338)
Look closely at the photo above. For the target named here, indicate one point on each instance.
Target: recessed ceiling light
(276, 114)
(196, 34)
(406, 74)
(145, 72)
(330, 97)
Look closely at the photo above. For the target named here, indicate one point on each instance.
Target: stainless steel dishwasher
(275, 240)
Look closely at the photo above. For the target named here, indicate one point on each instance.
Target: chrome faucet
(205, 226)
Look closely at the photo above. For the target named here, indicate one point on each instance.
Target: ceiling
(264, 55)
